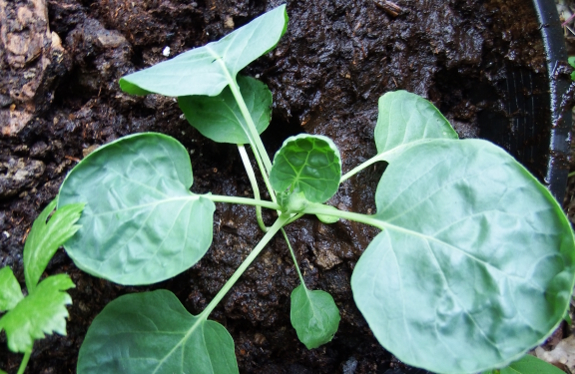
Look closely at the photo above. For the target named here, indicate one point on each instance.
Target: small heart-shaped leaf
(307, 164)
(314, 316)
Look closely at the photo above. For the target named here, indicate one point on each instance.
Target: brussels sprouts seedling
(473, 266)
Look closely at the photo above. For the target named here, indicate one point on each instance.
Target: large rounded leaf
(206, 70)
(141, 224)
(405, 117)
(309, 165)
(151, 332)
(219, 117)
(475, 263)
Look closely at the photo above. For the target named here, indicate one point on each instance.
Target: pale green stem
(24, 362)
(242, 200)
(253, 181)
(258, 149)
(260, 153)
(254, 184)
(253, 132)
(278, 224)
(291, 251)
(357, 169)
(357, 217)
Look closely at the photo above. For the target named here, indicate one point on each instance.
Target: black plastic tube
(560, 121)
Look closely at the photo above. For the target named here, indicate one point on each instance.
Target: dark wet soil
(60, 99)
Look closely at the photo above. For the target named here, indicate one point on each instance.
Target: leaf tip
(131, 88)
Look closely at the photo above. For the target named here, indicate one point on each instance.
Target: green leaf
(10, 293)
(219, 118)
(208, 69)
(141, 224)
(44, 239)
(314, 316)
(475, 263)
(151, 332)
(571, 61)
(528, 365)
(309, 164)
(41, 312)
(405, 117)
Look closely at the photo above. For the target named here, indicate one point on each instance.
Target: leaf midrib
(388, 226)
(146, 205)
(198, 322)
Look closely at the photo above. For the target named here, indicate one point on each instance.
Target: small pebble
(350, 366)
(229, 22)
(166, 51)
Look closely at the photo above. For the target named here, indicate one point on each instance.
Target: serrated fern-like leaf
(42, 312)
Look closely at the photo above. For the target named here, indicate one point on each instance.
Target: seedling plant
(43, 309)
(473, 266)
